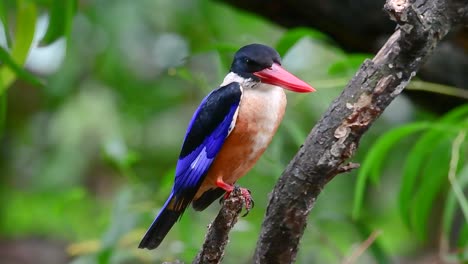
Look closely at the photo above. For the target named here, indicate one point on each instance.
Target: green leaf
(451, 202)
(292, 36)
(24, 33)
(3, 109)
(463, 238)
(374, 160)
(436, 166)
(4, 9)
(417, 156)
(456, 188)
(61, 19)
(18, 70)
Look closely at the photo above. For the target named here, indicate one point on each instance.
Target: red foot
(227, 187)
(245, 194)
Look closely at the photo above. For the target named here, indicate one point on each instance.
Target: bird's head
(261, 63)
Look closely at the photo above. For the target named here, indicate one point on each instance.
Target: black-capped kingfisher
(228, 133)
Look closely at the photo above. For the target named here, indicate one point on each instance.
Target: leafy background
(95, 97)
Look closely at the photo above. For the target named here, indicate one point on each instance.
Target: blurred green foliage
(94, 102)
(428, 164)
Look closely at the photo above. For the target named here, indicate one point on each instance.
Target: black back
(211, 112)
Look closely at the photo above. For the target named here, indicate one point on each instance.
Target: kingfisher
(227, 134)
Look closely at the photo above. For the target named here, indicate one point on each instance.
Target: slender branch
(335, 138)
(416, 85)
(438, 88)
(363, 247)
(217, 237)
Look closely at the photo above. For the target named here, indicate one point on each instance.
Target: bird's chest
(260, 114)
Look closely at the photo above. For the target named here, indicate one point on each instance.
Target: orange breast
(259, 116)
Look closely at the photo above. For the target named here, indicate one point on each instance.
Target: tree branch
(217, 237)
(335, 138)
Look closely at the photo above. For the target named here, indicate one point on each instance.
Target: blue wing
(207, 131)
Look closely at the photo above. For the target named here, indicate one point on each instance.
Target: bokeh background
(95, 97)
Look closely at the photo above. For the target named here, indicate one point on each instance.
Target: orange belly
(257, 122)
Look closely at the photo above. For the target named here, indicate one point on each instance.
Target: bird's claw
(245, 195)
(247, 199)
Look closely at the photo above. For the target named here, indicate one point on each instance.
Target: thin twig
(363, 247)
(348, 167)
(438, 88)
(415, 85)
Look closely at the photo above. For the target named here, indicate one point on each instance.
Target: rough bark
(216, 239)
(335, 138)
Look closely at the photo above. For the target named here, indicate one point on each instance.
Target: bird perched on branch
(228, 133)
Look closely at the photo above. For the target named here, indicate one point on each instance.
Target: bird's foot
(244, 194)
(247, 199)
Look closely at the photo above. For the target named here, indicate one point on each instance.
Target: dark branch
(335, 138)
(218, 231)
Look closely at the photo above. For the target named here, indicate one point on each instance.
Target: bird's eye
(249, 62)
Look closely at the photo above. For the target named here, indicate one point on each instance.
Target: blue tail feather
(160, 226)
